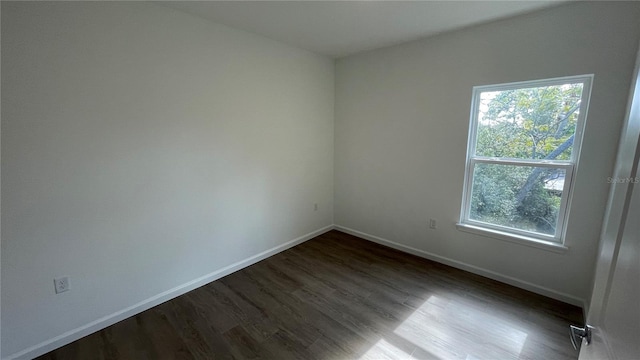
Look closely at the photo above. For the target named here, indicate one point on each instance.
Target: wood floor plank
(182, 316)
(129, 340)
(340, 297)
(285, 346)
(243, 346)
(327, 349)
(207, 307)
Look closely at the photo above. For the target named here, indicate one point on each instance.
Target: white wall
(402, 116)
(143, 148)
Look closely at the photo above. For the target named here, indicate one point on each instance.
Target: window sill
(518, 239)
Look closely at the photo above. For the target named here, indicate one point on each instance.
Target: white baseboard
(467, 267)
(77, 333)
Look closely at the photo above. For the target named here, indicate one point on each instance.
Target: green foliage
(527, 123)
(533, 123)
(493, 198)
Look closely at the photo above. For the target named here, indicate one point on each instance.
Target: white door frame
(615, 219)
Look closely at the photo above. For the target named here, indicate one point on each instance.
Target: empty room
(320, 180)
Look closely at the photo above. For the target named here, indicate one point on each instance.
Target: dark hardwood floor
(341, 297)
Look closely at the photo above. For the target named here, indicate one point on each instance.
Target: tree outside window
(523, 146)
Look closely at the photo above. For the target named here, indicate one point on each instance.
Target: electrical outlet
(315, 207)
(61, 284)
(432, 223)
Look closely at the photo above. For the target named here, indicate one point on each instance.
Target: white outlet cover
(61, 284)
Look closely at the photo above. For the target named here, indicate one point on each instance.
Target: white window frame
(570, 166)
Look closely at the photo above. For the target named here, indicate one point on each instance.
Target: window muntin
(523, 144)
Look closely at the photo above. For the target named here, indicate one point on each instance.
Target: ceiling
(341, 28)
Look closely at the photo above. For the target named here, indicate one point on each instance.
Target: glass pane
(531, 123)
(520, 197)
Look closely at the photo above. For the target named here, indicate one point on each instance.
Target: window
(524, 142)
